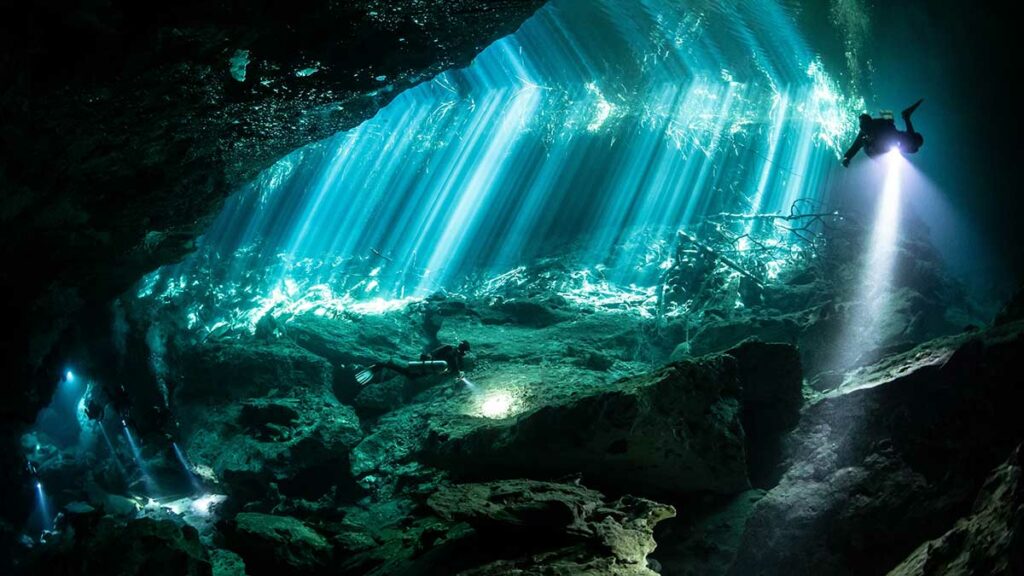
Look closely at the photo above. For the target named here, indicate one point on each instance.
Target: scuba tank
(428, 367)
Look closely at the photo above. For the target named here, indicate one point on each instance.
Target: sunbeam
(593, 121)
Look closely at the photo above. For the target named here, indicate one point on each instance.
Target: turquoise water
(595, 125)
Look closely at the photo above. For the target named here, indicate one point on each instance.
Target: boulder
(267, 421)
(674, 430)
(819, 317)
(225, 371)
(721, 335)
(891, 458)
(277, 545)
(381, 397)
(550, 528)
(1012, 310)
(94, 545)
(771, 380)
(360, 339)
(705, 540)
(989, 542)
(532, 312)
(397, 537)
(226, 563)
(594, 339)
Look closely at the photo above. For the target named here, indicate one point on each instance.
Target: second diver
(445, 359)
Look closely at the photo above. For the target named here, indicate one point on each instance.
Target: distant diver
(97, 399)
(879, 135)
(446, 359)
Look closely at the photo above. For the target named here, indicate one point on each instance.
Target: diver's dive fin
(364, 376)
(909, 111)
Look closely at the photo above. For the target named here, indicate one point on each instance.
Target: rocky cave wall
(756, 472)
(125, 125)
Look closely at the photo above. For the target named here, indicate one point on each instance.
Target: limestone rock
(93, 546)
(267, 414)
(771, 380)
(890, 459)
(398, 537)
(721, 335)
(566, 529)
(675, 430)
(226, 563)
(602, 338)
(224, 371)
(704, 541)
(1013, 310)
(362, 340)
(988, 542)
(672, 431)
(277, 545)
(534, 312)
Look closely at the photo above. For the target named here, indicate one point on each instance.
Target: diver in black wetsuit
(446, 359)
(879, 135)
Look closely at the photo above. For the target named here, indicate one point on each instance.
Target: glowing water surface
(595, 119)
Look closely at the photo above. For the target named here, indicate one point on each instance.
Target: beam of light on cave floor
(595, 119)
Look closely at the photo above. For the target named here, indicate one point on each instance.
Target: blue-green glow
(595, 120)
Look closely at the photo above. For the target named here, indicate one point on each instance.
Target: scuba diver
(879, 135)
(446, 359)
(98, 398)
(122, 403)
(33, 470)
(160, 419)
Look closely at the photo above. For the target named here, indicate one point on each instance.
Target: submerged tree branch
(775, 216)
(721, 258)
